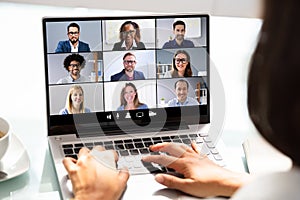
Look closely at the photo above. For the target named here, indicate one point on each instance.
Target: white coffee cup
(4, 140)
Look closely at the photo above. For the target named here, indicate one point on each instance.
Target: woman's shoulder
(280, 185)
(141, 45)
(63, 111)
(143, 106)
(117, 46)
(87, 110)
(121, 108)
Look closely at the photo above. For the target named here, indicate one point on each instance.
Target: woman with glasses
(130, 37)
(181, 66)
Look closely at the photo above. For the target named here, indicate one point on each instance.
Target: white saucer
(16, 160)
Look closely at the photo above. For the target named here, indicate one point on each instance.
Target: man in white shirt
(74, 63)
(181, 90)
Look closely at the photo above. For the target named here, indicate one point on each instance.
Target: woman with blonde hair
(75, 102)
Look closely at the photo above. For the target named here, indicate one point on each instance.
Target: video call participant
(129, 98)
(75, 102)
(128, 73)
(74, 63)
(182, 99)
(181, 66)
(178, 41)
(130, 37)
(73, 44)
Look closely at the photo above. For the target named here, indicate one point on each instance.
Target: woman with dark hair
(181, 65)
(130, 37)
(129, 98)
(274, 108)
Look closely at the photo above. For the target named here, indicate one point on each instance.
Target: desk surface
(23, 102)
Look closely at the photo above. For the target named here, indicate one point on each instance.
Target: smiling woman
(75, 101)
(129, 98)
(130, 37)
(181, 66)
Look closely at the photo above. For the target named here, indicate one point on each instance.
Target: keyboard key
(183, 136)
(76, 150)
(72, 156)
(148, 144)
(129, 146)
(134, 152)
(139, 145)
(217, 156)
(186, 141)
(68, 151)
(98, 143)
(108, 143)
(144, 151)
(137, 140)
(123, 153)
(109, 147)
(128, 141)
(118, 142)
(67, 146)
(119, 146)
(78, 145)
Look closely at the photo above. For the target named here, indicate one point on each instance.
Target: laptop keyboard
(131, 151)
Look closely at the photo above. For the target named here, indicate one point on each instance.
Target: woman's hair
(74, 57)
(137, 37)
(69, 103)
(188, 70)
(273, 99)
(136, 100)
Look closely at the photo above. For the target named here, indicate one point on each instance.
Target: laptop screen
(113, 75)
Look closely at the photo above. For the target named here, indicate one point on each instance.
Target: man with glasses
(178, 41)
(182, 99)
(73, 44)
(130, 37)
(74, 63)
(128, 73)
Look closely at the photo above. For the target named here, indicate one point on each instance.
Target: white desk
(23, 89)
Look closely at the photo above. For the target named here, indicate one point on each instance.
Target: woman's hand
(202, 177)
(92, 179)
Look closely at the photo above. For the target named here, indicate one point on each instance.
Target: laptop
(88, 106)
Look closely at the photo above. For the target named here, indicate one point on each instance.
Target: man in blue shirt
(179, 41)
(128, 73)
(181, 90)
(73, 44)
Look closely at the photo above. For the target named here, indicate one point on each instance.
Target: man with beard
(128, 73)
(74, 63)
(73, 44)
(178, 41)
